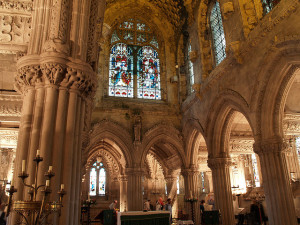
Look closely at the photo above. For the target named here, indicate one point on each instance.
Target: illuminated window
(268, 5)
(218, 36)
(177, 184)
(203, 181)
(255, 171)
(134, 69)
(298, 147)
(191, 69)
(97, 179)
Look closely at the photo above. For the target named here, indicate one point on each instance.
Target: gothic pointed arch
(167, 142)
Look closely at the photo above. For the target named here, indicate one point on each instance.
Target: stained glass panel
(203, 181)
(120, 71)
(154, 42)
(218, 33)
(298, 147)
(255, 171)
(93, 181)
(127, 24)
(177, 184)
(148, 79)
(114, 37)
(191, 70)
(102, 180)
(268, 5)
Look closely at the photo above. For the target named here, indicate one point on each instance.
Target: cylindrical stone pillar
(135, 195)
(222, 188)
(279, 198)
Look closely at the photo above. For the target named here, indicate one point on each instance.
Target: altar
(143, 218)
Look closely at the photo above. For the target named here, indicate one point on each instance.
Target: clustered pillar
(222, 188)
(279, 199)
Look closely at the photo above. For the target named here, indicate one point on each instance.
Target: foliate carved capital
(28, 76)
(53, 73)
(219, 163)
(81, 80)
(275, 145)
(190, 171)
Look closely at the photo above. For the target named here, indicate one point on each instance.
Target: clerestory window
(218, 36)
(134, 69)
(268, 5)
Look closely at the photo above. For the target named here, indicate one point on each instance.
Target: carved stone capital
(219, 163)
(28, 76)
(53, 73)
(275, 145)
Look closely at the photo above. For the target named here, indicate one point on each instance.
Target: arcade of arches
(141, 99)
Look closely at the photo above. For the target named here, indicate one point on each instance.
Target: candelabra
(33, 211)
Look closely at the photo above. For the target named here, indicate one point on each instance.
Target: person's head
(115, 201)
(169, 200)
(149, 200)
(202, 202)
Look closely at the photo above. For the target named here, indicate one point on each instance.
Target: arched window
(255, 171)
(134, 70)
(191, 69)
(218, 36)
(268, 5)
(97, 179)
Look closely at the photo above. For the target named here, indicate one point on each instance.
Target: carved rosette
(219, 163)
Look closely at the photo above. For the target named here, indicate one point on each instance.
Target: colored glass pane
(191, 69)
(127, 25)
(268, 5)
(255, 171)
(102, 180)
(93, 181)
(120, 71)
(177, 184)
(202, 181)
(218, 35)
(154, 42)
(148, 79)
(114, 37)
(298, 147)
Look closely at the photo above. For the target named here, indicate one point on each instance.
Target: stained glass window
(177, 184)
(203, 181)
(218, 36)
(93, 182)
(268, 5)
(298, 147)
(97, 179)
(191, 69)
(120, 71)
(134, 69)
(148, 78)
(255, 171)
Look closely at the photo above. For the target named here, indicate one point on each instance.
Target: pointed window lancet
(218, 36)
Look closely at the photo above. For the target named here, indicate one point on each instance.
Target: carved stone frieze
(9, 138)
(291, 127)
(16, 6)
(241, 146)
(10, 106)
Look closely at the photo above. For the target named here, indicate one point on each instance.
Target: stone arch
(275, 78)
(172, 139)
(114, 136)
(220, 118)
(193, 133)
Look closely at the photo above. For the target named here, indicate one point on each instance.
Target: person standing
(168, 207)
(113, 205)
(202, 211)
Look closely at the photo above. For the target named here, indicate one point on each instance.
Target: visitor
(157, 206)
(202, 211)
(161, 202)
(147, 205)
(168, 207)
(113, 205)
(2, 214)
(257, 213)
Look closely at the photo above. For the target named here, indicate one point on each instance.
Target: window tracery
(134, 69)
(97, 179)
(218, 36)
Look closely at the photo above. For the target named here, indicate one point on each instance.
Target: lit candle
(47, 183)
(37, 153)
(62, 186)
(50, 168)
(23, 165)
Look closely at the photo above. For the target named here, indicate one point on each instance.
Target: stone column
(123, 193)
(172, 193)
(279, 198)
(134, 194)
(222, 188)
(191, 184)
(210, 181)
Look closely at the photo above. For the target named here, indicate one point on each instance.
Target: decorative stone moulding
(193, 55)
(228, 9)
